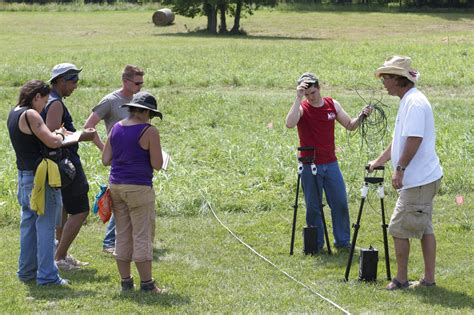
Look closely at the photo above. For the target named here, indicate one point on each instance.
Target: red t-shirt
(316, 128)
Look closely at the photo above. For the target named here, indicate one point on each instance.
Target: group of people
(133, 150)
(52, 213)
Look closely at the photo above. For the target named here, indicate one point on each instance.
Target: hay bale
(163, 17)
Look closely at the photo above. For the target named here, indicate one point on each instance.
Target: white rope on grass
(272, 264)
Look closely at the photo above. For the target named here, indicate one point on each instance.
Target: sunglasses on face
(136, 83)
(74, 78)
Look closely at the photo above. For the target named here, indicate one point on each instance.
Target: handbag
(103, 204)
(67, 170)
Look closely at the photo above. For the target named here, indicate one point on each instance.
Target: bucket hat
(398, 65)
(146, 101)
(62, 69)
(307, 77)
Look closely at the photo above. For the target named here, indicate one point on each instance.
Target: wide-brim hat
(146, 101)
(307, 77)
(398, 65)
(62, 69)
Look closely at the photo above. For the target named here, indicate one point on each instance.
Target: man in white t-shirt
(110, 111)
(417, 174)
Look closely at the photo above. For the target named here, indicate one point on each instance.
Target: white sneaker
(64, 265)
(63, 282)
(74, 262)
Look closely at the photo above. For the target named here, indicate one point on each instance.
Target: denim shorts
(74, 196)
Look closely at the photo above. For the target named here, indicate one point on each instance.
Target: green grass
(218, 96)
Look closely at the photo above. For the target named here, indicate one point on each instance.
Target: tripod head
(306, 158)
(374, 178)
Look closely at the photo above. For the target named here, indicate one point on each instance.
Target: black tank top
(27, 147)
(72, 150)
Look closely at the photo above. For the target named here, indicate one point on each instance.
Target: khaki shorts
(134, 210)
(412, 217)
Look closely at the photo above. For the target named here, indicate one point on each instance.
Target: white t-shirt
(415, 119)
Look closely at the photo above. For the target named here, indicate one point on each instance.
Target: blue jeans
(109, 239)
(329, 179)
(37, 233)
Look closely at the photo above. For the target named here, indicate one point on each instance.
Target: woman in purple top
(134, 151)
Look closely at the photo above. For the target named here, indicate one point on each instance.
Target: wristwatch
(400, 168)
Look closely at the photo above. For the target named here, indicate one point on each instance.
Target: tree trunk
(223, 26)
(238, 10)
(211, 14)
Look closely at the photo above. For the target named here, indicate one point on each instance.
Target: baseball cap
(307, 77)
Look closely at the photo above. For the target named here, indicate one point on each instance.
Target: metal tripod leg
(326, 235)
(325, 228)
(356, 226)
(381, 194)
(295, 207)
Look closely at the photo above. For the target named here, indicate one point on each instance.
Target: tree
(213, 9)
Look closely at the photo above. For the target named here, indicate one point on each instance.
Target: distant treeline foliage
(400, 3)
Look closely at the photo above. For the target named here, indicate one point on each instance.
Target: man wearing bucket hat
(417, 168)
(64, 79)
(133, 150)
(110, 111)
(315, 118)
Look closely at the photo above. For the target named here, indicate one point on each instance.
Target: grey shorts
(412, 217)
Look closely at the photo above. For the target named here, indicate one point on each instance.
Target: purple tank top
(130, 163)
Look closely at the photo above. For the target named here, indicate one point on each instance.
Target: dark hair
(29, 90)
(315, 84)
(133, 109)
(403, 81)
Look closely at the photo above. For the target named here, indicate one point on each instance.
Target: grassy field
(224, 101)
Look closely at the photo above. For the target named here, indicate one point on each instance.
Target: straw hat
(398, 65)
(146, 101)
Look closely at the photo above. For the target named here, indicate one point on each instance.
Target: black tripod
(365, 189)
(307, 160)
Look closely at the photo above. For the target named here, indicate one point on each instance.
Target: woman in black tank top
(27, 134)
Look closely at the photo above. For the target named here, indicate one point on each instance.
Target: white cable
(275, 266)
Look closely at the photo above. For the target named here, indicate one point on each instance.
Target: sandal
(422, 283)
(150, 286)
(396, 285)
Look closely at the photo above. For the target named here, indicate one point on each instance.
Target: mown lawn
(224, 101)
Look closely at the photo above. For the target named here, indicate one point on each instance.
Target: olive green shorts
(412, 217)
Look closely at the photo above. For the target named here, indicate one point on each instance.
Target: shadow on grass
(53, 293)
(158, 253)
(444, 297)
(204, 34)
(168, 299)
(85, 274)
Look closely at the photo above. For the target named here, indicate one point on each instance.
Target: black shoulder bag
(67, 170)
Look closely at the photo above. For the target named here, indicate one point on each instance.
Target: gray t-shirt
(109, 109)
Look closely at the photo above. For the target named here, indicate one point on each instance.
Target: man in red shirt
(315, 118)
